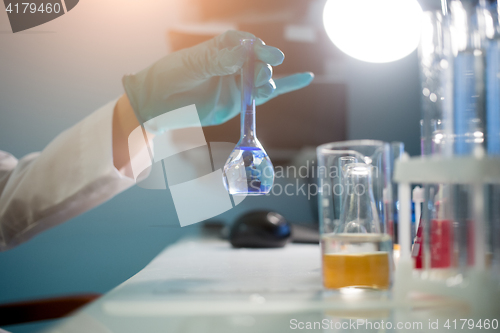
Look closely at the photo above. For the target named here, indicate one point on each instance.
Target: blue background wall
(54, 75)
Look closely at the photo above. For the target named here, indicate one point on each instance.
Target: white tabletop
(204, 285)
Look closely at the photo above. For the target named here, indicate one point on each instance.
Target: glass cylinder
(433, 244)
(490, 12)
(436, 77)
(355, 193)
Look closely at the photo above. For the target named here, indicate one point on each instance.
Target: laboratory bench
(204, 285)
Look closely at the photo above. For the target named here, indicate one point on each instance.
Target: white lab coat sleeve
(73, 174)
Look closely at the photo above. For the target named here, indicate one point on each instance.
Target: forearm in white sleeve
(73, 174)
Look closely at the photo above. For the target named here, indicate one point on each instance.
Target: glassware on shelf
(458, 65)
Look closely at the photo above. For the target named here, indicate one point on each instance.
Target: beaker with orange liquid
(356, 250)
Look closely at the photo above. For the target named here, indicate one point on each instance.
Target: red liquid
(442, 253)
(441, 245)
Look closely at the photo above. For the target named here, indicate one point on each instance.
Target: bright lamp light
(374, 30)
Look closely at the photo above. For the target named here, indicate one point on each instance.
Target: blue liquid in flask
(248, 170)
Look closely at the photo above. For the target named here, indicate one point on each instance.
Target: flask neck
(248, 136)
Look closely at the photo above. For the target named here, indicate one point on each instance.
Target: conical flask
(359, 211)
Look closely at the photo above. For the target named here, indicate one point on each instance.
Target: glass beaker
(355, 191)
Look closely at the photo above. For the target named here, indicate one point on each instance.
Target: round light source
(374, 30)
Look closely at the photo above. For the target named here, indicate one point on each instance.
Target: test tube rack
(477, 287)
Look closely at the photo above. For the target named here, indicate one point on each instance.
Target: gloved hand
(207, 75)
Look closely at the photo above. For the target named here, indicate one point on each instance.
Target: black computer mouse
(260, 229)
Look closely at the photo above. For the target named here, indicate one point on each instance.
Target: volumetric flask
(248, 170)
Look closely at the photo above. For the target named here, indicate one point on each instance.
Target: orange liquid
(364, 270)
